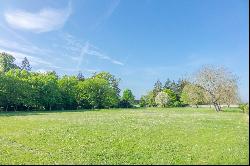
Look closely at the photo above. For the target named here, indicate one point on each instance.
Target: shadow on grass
(233, 110)
(45, 112)
(41, 112)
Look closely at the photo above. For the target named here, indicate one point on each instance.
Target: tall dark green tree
(157, 87)
(26, 65)
(167, 84)
(80, 76)
(174, 87)
(180, 85)
(172, 97)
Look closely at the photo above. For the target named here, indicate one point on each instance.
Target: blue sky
(139, 41)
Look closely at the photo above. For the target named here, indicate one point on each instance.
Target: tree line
(22, 89)
(213, 85)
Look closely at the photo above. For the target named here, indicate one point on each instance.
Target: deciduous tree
(192, 95)
(7, 62)
(127, 99)
(215, 81)
(162, 99)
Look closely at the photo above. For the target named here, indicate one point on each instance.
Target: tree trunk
(196, 105)
(50, 107)
(6, 109)
(217, 107)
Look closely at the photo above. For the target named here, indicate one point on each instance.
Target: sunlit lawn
(125, 136)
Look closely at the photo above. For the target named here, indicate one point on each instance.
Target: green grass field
(125, 136)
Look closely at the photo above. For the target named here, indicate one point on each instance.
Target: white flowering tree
(162, 99)
(219, 83)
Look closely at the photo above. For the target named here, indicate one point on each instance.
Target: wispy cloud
(27, 48)
(45, 20)
(112, 7)
(35, 61)
(41, 65)
(20, 43)
(81, 51)
(20, 47)
(14, 34)
(94, 51)
(84, 51)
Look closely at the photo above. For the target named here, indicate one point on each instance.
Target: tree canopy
(127, 99)
(193, 95)
(7, 62)
(162, 99)
(23, 89)
(218, 82)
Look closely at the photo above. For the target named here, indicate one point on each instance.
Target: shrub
(244, 107)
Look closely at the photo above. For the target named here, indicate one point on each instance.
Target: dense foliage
(193, 94)
(244, 107)
(172, 97)
(21, 89)
(212, 85)
(128, 99)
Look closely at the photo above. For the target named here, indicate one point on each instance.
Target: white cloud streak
(114, 4)
(35, 61)
(27, 48)
(111, 9)
(96, 53)
(23, 45)
(86, 49)
(45, 20)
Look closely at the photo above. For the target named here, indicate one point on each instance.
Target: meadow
(125, 136)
